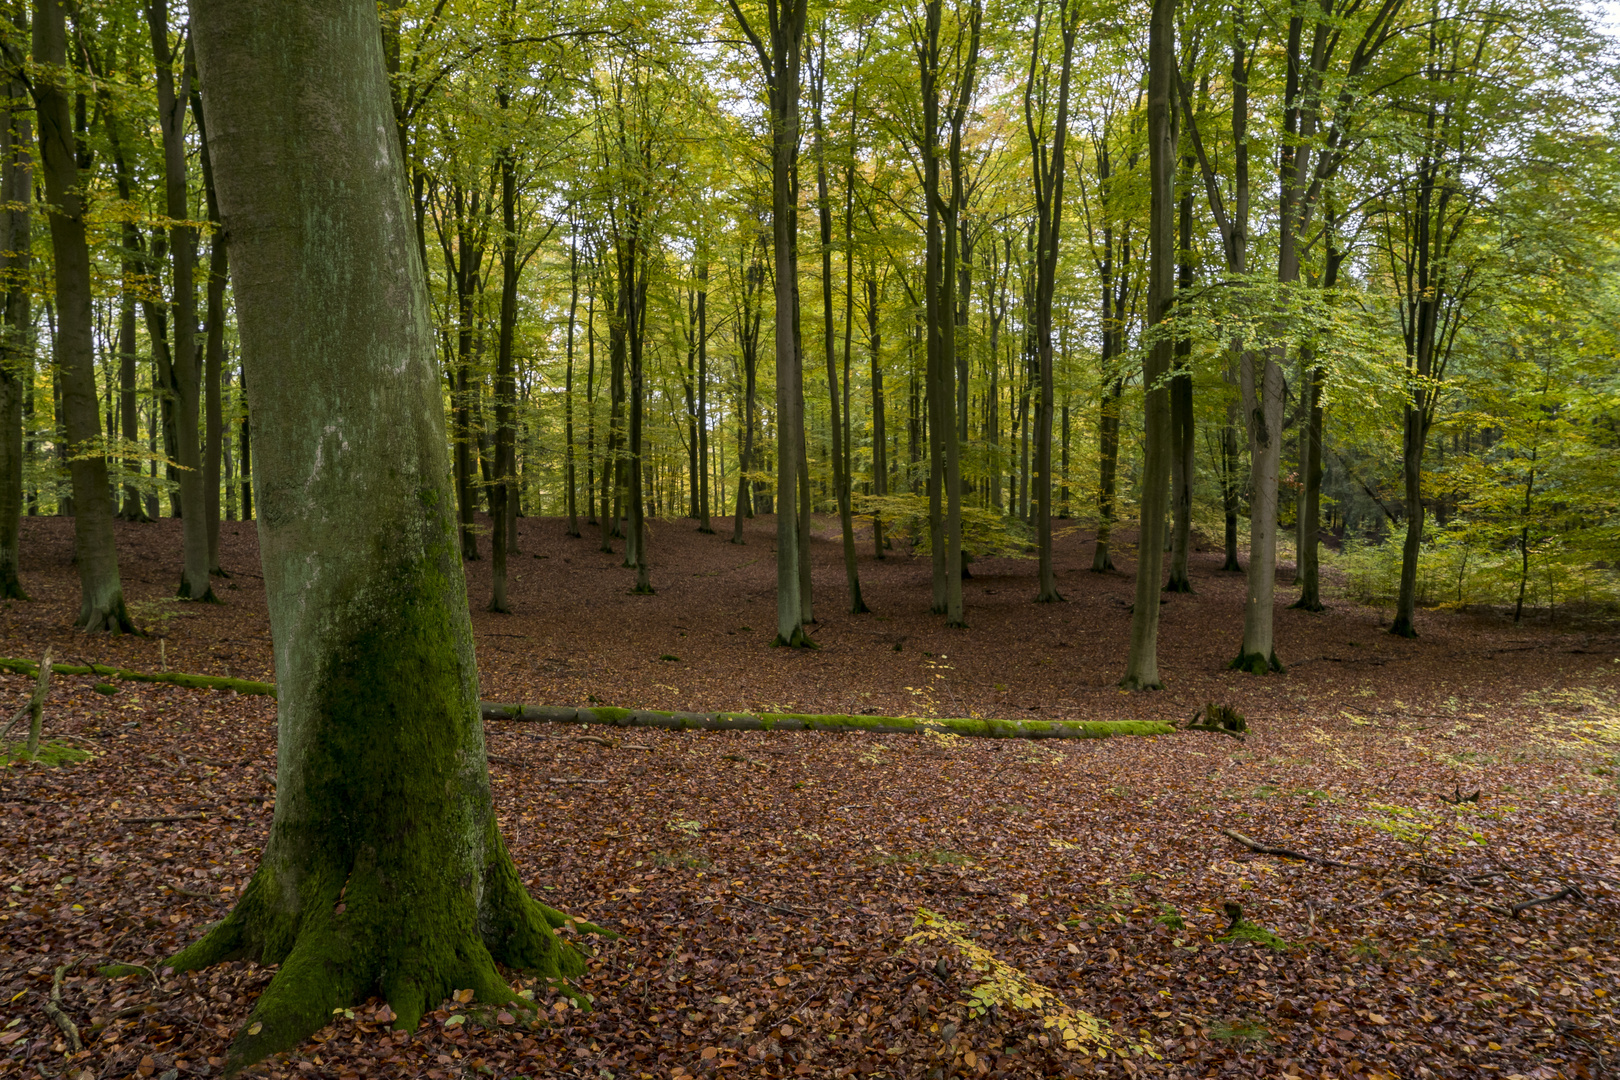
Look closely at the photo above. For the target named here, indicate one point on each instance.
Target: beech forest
(965, 538)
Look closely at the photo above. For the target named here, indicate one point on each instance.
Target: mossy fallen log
(676, 721)
(176, 678)
(877, 725)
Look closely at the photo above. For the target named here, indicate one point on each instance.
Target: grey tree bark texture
(383, 792)
(1142, 663)
(101, 604)
(780, 58)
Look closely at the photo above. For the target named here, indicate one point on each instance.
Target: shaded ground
(766, 885)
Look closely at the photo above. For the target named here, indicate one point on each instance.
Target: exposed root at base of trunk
(112, 618)
(1257, 663)
(352, 933)
(207, 597)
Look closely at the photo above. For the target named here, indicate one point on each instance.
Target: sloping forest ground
(768, 886)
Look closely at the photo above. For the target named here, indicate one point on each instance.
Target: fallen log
(176, 678)
(679, 721)
(875, 725)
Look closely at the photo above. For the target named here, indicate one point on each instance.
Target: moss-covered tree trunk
(384, 871)
(101, 592)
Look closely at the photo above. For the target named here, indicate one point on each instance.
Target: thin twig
(572, 780)
(162, 820)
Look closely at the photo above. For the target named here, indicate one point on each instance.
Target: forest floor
(769, 888)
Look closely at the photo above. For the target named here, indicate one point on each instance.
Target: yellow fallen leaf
(463, 996)
(1377, 1019)
(254, 1029)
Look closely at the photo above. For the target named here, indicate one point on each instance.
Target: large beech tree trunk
(101, 592)
(383, 794)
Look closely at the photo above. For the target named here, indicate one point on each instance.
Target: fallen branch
(572, 780)
(746, 760)
(165, 820)
(1286, 853)
(1568, 892)
(778, 908)
(53, 1009)
(36, 705)
(876, 725)
(183, 891)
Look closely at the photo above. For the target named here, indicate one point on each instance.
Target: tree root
(1257, 664)
(343, 933)
(53, 1009)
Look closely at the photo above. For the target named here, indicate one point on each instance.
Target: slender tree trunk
(1183, 462)
(213, 348)
(637, 331)
(247, 450)
(880, 464)
(704, 524)
(72, 344)
(17, 351)
(1142, 664)
(1310, 573)
(780, 56)
(185, 362)
(840, 465)
(571, 479)
(383, 792)
(500, 491)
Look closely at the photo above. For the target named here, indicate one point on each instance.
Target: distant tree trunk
(1142, 664)
(590, 404)
(173, 96)
(500, 492)
(1183, 464)
(384, 792)
(17, 353)
(704, 524)
(247, 449)
(880, 463)
(1113, 391)
(72, 343)
(637, 326)
(780, 62)
(464, 270)
(213, 347)
(840, 466)
(571, 477)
